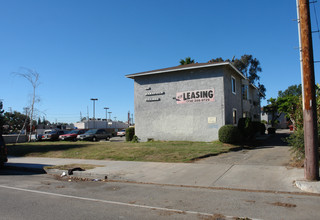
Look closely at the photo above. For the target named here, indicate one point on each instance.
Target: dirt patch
(240, 218)
(250, 201)
(286, 205)
(70, 166)
(296, 163)
(213, 217)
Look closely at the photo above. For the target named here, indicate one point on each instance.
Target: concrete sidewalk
(231, 176)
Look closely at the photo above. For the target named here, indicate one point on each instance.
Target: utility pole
(311, 163)
(94, 111)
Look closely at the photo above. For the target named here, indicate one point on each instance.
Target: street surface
(39, 196)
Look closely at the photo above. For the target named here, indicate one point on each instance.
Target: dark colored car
(52, 136)
(3, 151)
(71, 135)
(95, 135)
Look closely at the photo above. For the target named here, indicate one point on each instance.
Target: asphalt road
(40, 196)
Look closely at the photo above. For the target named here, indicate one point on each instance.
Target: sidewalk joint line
(223, 174)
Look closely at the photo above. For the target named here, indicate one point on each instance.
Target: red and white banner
(206, 95)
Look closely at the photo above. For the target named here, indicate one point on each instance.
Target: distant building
(191, 102)
(281, 122)
(90, 124)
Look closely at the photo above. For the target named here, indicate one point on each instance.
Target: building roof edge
(183, 67)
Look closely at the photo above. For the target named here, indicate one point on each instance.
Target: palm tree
(186, 61)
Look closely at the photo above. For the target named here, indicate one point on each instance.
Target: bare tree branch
(33, 77)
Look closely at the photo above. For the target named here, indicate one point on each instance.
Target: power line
(316, 16)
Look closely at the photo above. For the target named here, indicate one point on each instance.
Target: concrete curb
(308, 186)
(220, 175)
(79, 174)
(87, 174)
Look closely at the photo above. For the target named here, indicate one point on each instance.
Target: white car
(121, 133)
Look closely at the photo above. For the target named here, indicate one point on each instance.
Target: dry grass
(157, 151)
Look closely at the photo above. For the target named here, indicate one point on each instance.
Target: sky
(83, 49)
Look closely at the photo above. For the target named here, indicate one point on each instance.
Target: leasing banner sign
(206, 95)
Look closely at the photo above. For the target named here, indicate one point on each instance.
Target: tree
(1, 117)
(249, 67)
(14, 121)
(273, 109)
(294, 90)
(33, 77)
(45, 122)
(290, 103)
(218, 60)
(186, 61)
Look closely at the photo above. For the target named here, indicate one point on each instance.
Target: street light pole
(115, 123)
(94, 111)
(110, 115)
(106, 108)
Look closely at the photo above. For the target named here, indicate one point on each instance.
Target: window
(245, 114)
(233, 84)
(234, 116)
(245, 92)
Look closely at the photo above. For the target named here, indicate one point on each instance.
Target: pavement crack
(223, 174)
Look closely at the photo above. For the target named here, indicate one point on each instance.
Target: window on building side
(245, 92)
(234, 116)
(245, 114)
(233, 84)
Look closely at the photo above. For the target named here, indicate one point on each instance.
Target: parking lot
(118, 139)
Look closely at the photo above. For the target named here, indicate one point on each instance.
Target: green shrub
(129, 133)
(242, 124)
(296, 141)
(271, 130)
(135, 139)
(255, 126)
(229, 134)
(262, 128)
(258, 126)
(247, 129)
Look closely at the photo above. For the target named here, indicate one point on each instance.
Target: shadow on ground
(273, 140)
(21, 150)
(17, 169)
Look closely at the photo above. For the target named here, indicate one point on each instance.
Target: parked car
(94, 135)
(52, 135)
(36, 137)
(71, 135)
(3, 152)
(46, 132)
(121, 133)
